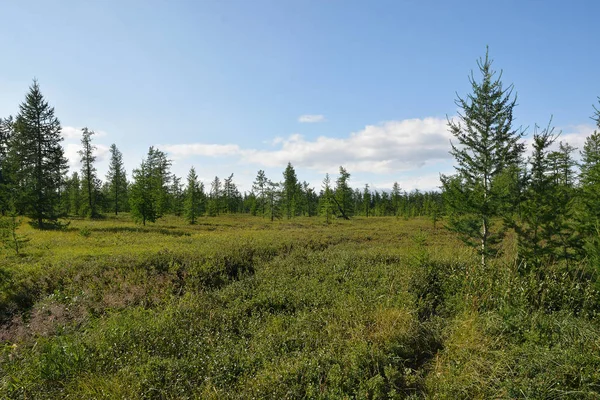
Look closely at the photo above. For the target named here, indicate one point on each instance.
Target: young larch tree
(486, 146)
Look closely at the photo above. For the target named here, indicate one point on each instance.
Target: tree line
(35, 182)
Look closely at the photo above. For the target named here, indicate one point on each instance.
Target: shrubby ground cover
(239, 307)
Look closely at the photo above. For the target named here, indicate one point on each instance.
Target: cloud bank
(384, 148)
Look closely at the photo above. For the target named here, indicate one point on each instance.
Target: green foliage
(117, 180)
(327, 202)
(194, 197)
(343, 195)
(142, 197)
(289, 192)
(90, 181)
(486, 145)
(37, 158)
(543, 226)
(236, 307)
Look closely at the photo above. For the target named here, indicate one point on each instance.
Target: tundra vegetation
(154, 289)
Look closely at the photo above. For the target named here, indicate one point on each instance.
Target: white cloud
(200, 149)
(388, 147)
(311, 118)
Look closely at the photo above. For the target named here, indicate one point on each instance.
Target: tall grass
(238, 307)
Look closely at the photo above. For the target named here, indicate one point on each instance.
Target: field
(239, 307)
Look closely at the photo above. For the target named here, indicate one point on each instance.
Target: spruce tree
(260, 187)
(35, 148)
(216, 194)
(290, 191)
(90, 181)
(177, 194)
(6, 130)
(367, 200)
(589, 209)
(327, 202)
(274, 199)
(142, 195)
(193, 197)
(533, 228)
(486, 146)
(158, 166)
(343, 194)
(117, 180)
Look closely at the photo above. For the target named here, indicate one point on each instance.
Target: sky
(235, 86)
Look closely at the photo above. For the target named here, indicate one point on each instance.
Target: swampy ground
(237, 307)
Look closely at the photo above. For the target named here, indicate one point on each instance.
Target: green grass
(238, 307)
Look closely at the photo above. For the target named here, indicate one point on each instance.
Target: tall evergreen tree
(396, 198)
(142, 195)
(117, 180)
(260, 187)
(486, 146)
(343, 194)
(193, 197)
(159, 169)
(6, 130)
(214, 205)
(35, 148)
(290, 191)
(327, 201)
(535, 242)
(274, 199)
(231, 195)
(589, 213)
(367, 200)
(177, 194)
(91, 183)
(74, 194)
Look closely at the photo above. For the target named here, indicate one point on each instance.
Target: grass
(238, 307)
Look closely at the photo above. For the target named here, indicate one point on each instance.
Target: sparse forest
(160, 286)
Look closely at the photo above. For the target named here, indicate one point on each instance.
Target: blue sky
(225, 85)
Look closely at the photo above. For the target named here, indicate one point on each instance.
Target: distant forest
(35, 181)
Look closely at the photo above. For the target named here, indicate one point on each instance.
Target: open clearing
(238, 307)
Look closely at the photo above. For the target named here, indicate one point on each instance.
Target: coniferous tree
(193, 197)
(327, 201)
(142, 194)
(214, 205)
(90, 182)
(367, 200)
(290, 191)
(74, 194)
(260, 187)
(6, 187)
(535, 242)
(231, 196)
(274, 199)
(177, 194)
(396, 198)
(117, 180)
(487, 145)
(343, 194)
(588, 217)
(38, 157)
(158, 166)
